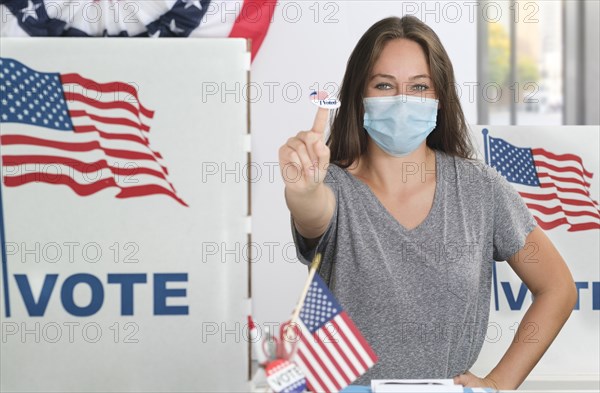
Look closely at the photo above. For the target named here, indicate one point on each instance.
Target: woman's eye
(420, 87)
(383, 86)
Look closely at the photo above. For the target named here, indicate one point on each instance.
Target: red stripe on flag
(564, 179)
(110, 87)
(332, 359)
(134, 155)
(148, 189)
(114, 136)
(90, 188)
(584, 226)
(77, 146)
(350, 345)
(312, 373)
(562, 157)
(560, 169)
(29, 140)
(80, 166)
(120, 121)
(559, 209)
(565, 189)
(309, 347)
(109, 135)
(341, 352)
(359, 336)
(108, 105)
(80, 189)
(553, 196)
(545, 225)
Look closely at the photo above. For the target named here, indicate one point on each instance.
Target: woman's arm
(545, 273)
(303, 161)
(311, 212)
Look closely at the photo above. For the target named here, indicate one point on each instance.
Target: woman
(408, 223)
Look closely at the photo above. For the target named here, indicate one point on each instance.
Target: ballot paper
(414, 386)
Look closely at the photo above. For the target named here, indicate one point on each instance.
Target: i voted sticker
(284, 376)
(323, 100)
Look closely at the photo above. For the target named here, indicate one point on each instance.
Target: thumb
(461, 379)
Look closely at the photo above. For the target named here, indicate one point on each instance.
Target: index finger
(321, 119)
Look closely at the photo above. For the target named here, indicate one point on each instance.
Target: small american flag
(555, 187)
(331, 351)
(68, 130)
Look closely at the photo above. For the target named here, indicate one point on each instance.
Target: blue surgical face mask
(399, 124)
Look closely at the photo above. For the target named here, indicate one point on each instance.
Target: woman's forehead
(402, 59)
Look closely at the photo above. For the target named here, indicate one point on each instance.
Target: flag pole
(485, 133)
(6, 293)
(485, 145)
(311, 274)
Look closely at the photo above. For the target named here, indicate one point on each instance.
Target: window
(521, 61)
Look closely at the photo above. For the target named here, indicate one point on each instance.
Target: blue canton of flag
(319, 306)
(32, 97)
(514, 163)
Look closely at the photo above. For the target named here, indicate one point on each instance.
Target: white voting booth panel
(574, 356)
(112, 289)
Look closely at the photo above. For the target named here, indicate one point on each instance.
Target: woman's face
(401, 69)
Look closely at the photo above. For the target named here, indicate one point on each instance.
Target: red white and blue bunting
(141, 18)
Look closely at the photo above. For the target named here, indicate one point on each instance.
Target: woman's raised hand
(304, 158)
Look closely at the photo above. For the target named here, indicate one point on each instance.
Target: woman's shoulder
(472, 171)
(340, 178)
(336, 172)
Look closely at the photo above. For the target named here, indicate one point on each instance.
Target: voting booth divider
(110, 278)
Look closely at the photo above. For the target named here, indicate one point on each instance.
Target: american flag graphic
(68, 130)
(331, 351)
(555, 186)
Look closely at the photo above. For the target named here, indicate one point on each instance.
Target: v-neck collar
(432, 210)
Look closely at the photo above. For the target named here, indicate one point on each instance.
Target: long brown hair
(348, 139)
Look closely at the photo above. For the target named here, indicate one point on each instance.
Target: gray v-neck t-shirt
(421, 297)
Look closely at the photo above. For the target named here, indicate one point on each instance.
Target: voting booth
(115, 215)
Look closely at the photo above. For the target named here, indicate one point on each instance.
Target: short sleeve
(512, 219)
(324, 246)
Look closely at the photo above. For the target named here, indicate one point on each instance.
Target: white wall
(303, 54)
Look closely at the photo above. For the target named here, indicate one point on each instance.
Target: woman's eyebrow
(412, 78)
(386, 76)
(421, 76)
